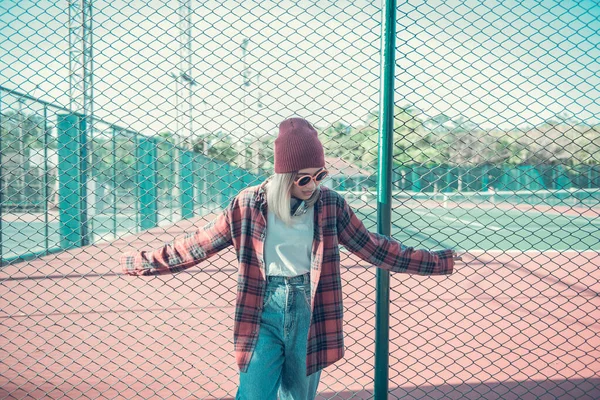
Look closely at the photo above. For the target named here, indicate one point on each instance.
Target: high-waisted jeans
(278, 364)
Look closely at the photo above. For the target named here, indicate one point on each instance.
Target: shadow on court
(565, 389)
(580, 389)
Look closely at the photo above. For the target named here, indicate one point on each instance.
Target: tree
(21, 130)
(343, 141)
(410, 137)
(220, 147)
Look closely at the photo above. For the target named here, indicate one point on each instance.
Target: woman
(286, 233)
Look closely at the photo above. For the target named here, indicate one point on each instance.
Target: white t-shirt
(288, 248)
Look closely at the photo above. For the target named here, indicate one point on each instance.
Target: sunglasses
(318, 177)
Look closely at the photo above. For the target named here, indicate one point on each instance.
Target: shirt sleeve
(387, 253)
(182, 253)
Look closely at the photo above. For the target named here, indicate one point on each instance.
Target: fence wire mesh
(125, 125)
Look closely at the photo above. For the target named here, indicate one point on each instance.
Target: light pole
(189, 81)
(246, 82)
(81, 68)
(184, 66)
(22, 167)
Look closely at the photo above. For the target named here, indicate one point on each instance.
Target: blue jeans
(278, 364)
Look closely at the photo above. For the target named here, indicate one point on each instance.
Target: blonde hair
(279, 195)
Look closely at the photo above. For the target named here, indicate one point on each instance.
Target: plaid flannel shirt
(243, 225)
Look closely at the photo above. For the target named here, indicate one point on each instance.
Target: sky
(496, 63)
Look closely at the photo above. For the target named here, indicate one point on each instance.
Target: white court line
(464, 221)
(572, 218)
(514, 210)
(512, 251)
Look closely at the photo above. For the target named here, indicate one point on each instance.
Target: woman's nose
(311, 185)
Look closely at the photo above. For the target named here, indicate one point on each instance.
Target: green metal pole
(384, 195)
(113, 178)
(147, 171)
(83, 170)
(71, 180)
(46, 183)
(186, 184)
(1, 184)
(485, 182)
(198, 167)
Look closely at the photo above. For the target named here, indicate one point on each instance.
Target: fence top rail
(28, 97)
(116, 129)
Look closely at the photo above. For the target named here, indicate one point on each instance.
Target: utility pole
(257, 143)
(22, 178)
(188, 81)
(254, 144)
(183, 75)
(245, 84)
(81, 96)
(81, 68)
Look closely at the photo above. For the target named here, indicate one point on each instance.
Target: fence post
(384, 196)
(1, 183)
(72, 181)
(186, 178)
(414, 176)
(222, 183)
(113, 169)
(200, 166)
(46, 191)
(83, 168)
(148, 192)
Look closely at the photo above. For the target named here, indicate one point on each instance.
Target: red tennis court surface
(504, 326)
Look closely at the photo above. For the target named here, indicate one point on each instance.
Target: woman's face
(304, 192)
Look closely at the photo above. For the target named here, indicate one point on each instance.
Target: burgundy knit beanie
(297, 147)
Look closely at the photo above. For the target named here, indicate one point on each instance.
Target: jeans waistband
(289, 280)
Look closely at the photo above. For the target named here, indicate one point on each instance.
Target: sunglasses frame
(313, 178)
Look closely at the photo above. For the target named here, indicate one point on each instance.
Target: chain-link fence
(125, 125)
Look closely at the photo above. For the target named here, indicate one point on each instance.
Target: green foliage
(439, 140)
(22, 130)
(342, 141)
(218, 146)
